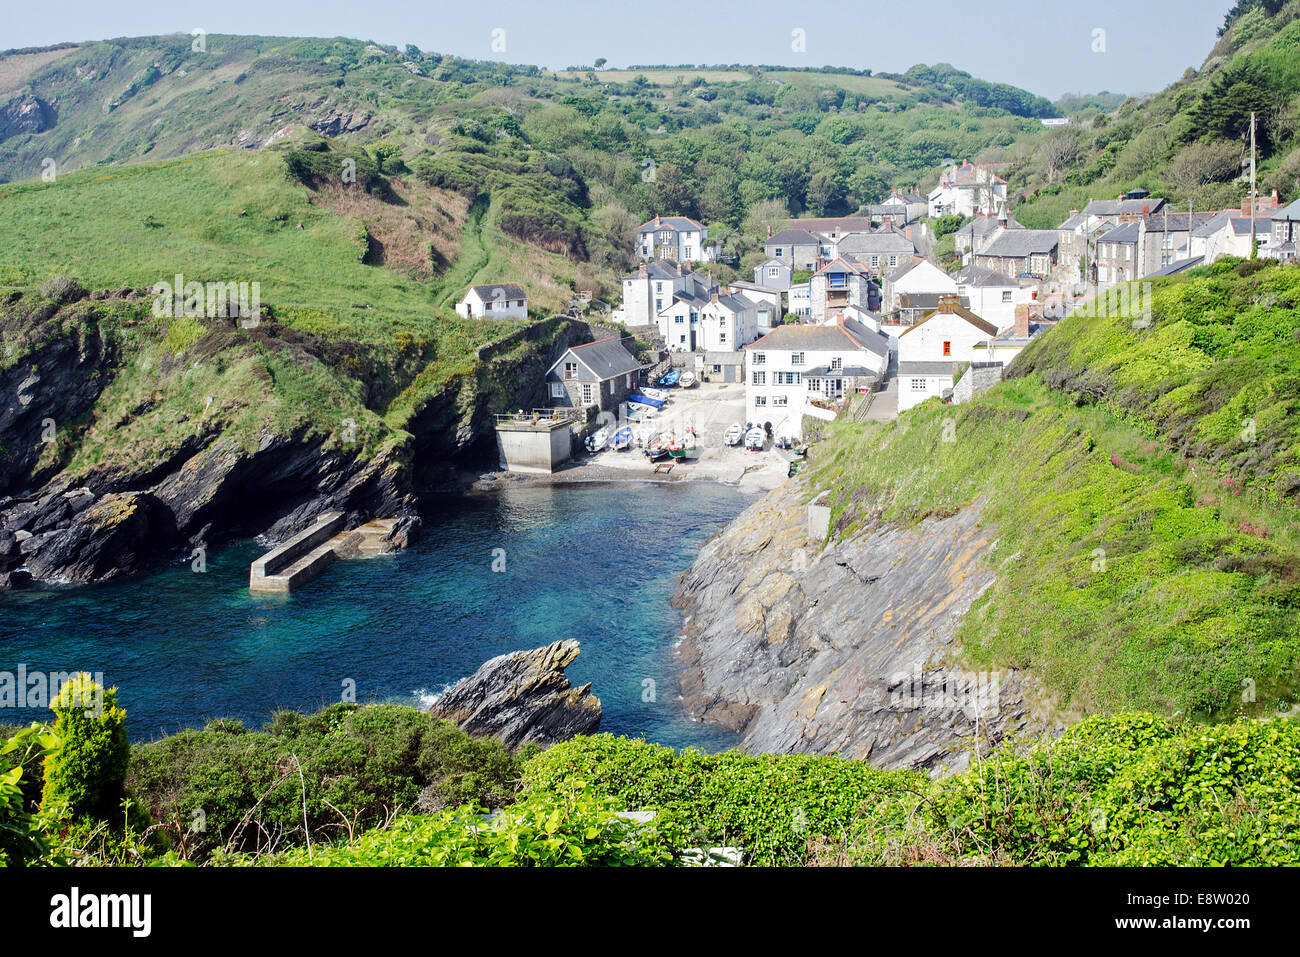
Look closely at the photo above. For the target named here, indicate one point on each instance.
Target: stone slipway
(844, 651)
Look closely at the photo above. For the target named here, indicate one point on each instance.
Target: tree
(1059, 150)
(1204, 162)
(600, 62)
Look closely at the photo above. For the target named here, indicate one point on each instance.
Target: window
(773, 272)
(780, 400)
(796, 358)
(717, 369)
(659, 287)
(586, 393)
(659, 305)
(893, 261)
(778, 252)
(1006, 295)
(682, 339)
(558, 390)
(875, 262)
(690, 252)
(630, 383)
(788, 378)
(722, 338)
(758, 358)
(760, 400)
(760, 378)
(947, 348)
(680, 320)
(918, 385)
(722, 322)
(837, 363)
(571, 370)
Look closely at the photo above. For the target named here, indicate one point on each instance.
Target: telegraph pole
(1253, 244)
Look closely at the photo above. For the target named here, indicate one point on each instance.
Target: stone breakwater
(845, 649)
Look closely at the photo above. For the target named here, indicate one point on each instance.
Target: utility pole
(1253, 244)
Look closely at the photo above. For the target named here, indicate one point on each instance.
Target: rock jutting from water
(523, 697)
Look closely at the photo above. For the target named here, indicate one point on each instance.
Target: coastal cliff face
(116, 450)
(844, 650)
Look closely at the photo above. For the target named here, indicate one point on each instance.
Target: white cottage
(500, 301)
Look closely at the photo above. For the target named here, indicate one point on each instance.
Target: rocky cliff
(844, 649)
(99, 478)
(523, 697)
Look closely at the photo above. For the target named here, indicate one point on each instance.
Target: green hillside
(1145, 488)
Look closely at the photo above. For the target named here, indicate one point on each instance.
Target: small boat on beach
(658, 447)
(659, 394)
(670, 380)
(755, 438)
(734, 434)
(622, 439)
(597, 440)
(687, 379)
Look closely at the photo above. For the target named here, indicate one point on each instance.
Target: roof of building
(1020, 243)
(604, 359)
(860, 372)
(794, 237)
(961, 312)
(1177, 267)
(964, 175)
(840, 264)
(724, 358)
(884, 241)
(1122, 207)
(842, 334)
(662, 269)
(1174, 222)
(1128, 233)
(669, 222)
(833, 224)
(927, 368)
(503, 290)
(974, 275)
(1290, 211)
(926, 300)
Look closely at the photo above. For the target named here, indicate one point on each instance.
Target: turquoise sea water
(592, 562)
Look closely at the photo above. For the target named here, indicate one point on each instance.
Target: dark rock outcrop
(337, 122)
(523, 697)
(844, 651)
(25, 114)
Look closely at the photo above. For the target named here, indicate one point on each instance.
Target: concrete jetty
(306, 555)
(535, 441)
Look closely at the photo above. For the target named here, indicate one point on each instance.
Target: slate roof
(1179, 266)
(658, 269)
(925, 300)
(724, 358)
(1128, 233)
(844, 334)
(980, 276)
(1122, 207)
(508, 291)
(840, 264)
(794, 237)
(890, 241)
(678, 223)
(927, 368)
(961, 312)
(1020, 243)
(1177, 222)
(836, 224)
(603, 359)
(1291, 212)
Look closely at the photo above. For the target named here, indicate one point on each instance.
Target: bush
(359, 765)
(23, 834)
(61, 290)
(84, 776)
(769, 805)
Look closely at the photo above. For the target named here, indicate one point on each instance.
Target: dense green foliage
(85, 773)
(568, 829)
(23, 832)
(1124, 790)
(341, 769)
(770, 805)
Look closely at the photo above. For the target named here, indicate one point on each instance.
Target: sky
(1046, 46)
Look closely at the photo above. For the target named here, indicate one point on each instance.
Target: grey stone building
(601, 373)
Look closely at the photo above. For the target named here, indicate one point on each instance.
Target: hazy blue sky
(1046, 47)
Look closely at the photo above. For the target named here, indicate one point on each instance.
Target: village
(847, 316)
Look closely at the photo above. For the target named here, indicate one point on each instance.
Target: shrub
(23, 834)
(770, 805)
(84, 775)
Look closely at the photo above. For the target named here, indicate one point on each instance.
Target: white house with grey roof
(499, 301)
(727, 321)
(678, 238)
(1021, 252)
(991, 295)
(798, 370)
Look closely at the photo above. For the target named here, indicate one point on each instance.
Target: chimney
(1146, 210)
(714, 297)
(1022, 321)
(946, 304)
(642, 272)
(769, 230)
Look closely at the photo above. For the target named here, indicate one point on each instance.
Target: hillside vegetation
(1145, 491)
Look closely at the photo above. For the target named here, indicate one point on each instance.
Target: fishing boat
(670, 380)
(755, 438)
(659, 394)
(657, 448)
(597, 440)
(783, 442)
(650, 402)
(687, 380)
(622, 439)
(734, 434)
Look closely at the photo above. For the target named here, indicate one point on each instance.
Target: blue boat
(671, 378)
(640, 399)
(622, 440)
